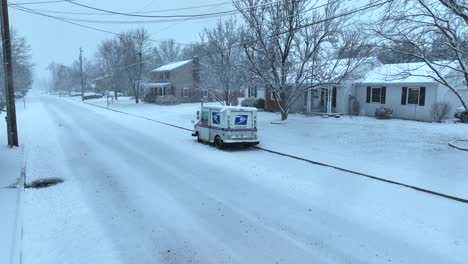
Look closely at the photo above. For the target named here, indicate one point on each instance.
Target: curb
(16, 255)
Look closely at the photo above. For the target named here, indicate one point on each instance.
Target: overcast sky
(53, 40)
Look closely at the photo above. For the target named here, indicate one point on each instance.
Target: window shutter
(334, 93)
(404, 91)
(368, 94)
(422, 96)
(383, 95)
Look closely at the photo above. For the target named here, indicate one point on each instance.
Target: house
(328, 99)
(408, 90)
(255, 92)
(182, 80)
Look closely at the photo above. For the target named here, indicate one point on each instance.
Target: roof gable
(172, 66)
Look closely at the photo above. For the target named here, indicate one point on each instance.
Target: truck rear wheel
(218, 143)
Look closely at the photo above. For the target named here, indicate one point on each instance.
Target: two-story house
(180, 79)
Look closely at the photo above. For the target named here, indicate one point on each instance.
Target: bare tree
(423, 23)
(135, 46)
(168, 51)
(224, 58)
(110, 59)
(293, 48)
(22, 62)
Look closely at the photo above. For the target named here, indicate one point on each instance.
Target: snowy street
(139, 192)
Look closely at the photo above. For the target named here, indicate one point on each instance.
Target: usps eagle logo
(241, 120)
(216, 118)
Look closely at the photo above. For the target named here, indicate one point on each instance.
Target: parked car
(18, 95)
(461, 114)
(91, 95)
(224, 125)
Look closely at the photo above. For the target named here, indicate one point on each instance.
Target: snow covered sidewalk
(414, 153)
(11, 163)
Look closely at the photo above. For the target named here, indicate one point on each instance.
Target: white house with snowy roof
(408, 89)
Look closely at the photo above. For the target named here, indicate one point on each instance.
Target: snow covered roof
(156, 85)
(417, 72)
(172, 66)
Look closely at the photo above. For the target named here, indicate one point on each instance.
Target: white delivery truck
(223, 125)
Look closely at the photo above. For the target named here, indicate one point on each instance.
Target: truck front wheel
(218, 143)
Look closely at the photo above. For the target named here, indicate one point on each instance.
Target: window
(166, 75)
(272, 96)
(161, 91)
(186, 92)
(205, 117)
(375, 94)
(252, 92)
(413, 95)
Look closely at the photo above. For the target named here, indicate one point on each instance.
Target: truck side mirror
(198, 115)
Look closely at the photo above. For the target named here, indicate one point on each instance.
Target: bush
(149, 98)
(383, 112)
(355, 108)
(248, 102)
(440, 111)
(259, 103)
(235, 102)
(166, 100)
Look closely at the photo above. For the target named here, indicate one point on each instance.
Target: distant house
(180, 79)
(407, 90)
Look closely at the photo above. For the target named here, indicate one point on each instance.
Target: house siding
(185, 76)
(393, 100)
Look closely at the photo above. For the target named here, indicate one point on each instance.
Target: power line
(44, 2)
(158, 21)
(32, 11)
(139, 12)
(353, 11)
(166, 16)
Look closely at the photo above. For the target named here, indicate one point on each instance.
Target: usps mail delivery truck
(223, 125)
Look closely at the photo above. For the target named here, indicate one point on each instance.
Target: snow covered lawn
(415, 153)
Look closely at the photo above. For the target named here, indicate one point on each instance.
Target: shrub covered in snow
(259, 103)
(248, 102)
(383, 112)
(166, 100)
(440, 111)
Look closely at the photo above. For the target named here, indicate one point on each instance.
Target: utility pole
(137, 92)
(81, 74)
(12, 129)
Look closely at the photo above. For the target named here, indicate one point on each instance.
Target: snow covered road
(139, 192)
